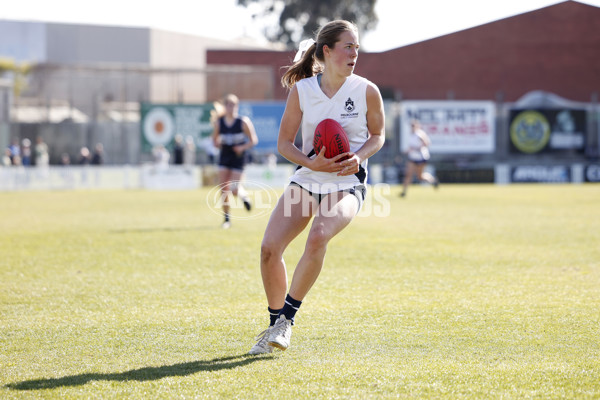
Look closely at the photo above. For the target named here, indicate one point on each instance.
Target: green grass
(469, 292)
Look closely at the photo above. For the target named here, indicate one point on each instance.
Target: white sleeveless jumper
(348, 107)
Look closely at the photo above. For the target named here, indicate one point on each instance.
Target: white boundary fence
(151, 177)
(131, 177)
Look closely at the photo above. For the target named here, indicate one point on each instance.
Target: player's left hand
(350, 165)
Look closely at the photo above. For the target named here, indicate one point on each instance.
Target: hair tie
(302, 48)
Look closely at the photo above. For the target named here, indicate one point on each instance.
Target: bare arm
(424, 137)
(215, 135)
(290, 123)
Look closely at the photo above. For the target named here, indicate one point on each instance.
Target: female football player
(234, 135)
(328, 191)
(418, 155)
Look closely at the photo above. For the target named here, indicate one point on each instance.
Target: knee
(268, 252)
(317, 240)
(234, 189)
(225, 190)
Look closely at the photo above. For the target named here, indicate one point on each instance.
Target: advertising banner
(266, 118)
(592, 173)
(453, 126)
(541, 174)
(161, 122)
(547, 130)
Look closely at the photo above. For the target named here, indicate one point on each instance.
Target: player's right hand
(323, 164)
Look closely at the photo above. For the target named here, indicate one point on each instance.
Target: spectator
(178, 150)
(189, 151)
(65, 159)
(98, 156)
(26, 152)
(15, 152)
(6, 159)
(41, 153)
(84, 156)
(161, 156)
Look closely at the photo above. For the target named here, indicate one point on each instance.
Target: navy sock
(273, 314)
(290, 307)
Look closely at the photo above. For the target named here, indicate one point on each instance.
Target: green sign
(161, 122)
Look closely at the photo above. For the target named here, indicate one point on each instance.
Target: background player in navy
(234, 135)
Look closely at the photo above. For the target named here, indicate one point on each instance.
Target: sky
(401, 22)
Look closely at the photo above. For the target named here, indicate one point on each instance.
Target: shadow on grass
(141, 374)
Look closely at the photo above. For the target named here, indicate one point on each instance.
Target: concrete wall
(86, 44)
(173, 50)
(23, 41)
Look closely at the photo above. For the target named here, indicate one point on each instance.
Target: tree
(301, 19)
(18, 71)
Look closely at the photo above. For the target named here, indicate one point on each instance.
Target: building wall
(23, 41)
(197, 82)
(86, 44)
(553, 49)
(82, 65)
(274, 60)
(247, 82)
(173, 50)
(88, 65)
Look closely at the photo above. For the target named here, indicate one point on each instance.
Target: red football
(329, 133)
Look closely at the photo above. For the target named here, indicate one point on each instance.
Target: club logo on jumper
(530, 131)
(349, 107)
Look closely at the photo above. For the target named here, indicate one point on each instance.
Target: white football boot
(261, 346)
(281, 333)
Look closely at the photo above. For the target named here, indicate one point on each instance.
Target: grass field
(470, 292)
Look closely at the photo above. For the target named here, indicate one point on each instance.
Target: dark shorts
(229, 159)
(359, 191)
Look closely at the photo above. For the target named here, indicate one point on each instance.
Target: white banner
(453, 126)
(148, 176)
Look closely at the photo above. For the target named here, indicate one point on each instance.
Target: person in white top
(417, 157)
(328, 191)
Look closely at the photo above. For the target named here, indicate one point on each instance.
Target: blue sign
(266, 118)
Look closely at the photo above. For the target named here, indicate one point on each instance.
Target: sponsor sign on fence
(161, 122)
(453, 126)
(541, 174)
(592, 173)
(547, 130)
